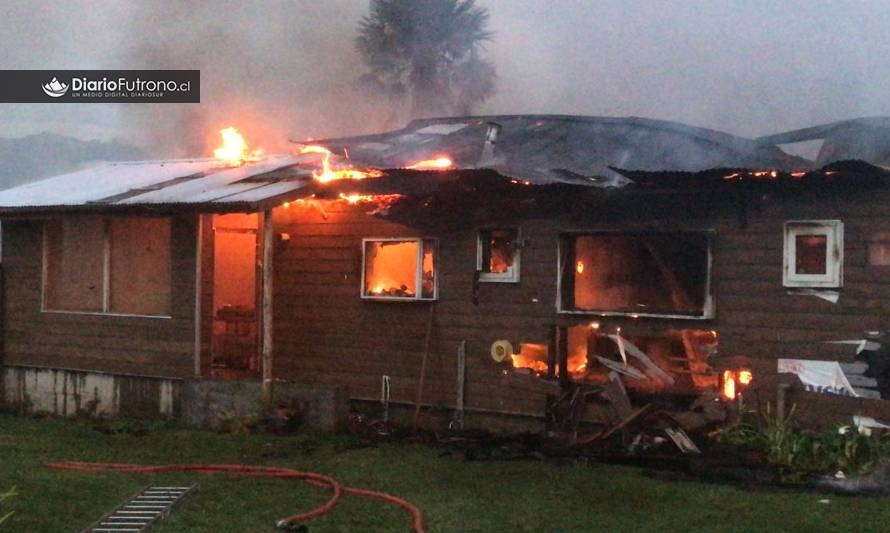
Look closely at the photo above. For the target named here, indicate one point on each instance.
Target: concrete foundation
(70, 393)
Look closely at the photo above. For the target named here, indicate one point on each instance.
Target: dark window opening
(656, 273)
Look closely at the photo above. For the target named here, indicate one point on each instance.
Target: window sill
(396, 299)
(101, 313)
(706, 316)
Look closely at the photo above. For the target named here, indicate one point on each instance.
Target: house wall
(120, 344)
(325, 333)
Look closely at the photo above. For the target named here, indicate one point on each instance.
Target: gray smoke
(287, 69)
(274, 71)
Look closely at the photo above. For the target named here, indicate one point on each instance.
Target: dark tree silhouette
(427, 53)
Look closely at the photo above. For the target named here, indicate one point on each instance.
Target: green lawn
(454, 494)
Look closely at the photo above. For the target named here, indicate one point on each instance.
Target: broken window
(676, 360)
(107, 265)
(813, 253)
(399, 269)
(637, 274)
(497, 256)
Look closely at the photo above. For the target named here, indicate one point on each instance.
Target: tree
(427, 53)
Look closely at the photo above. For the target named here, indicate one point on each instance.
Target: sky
(284, 70)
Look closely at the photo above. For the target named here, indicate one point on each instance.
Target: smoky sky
(282, 70)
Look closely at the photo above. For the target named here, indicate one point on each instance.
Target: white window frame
(106, 278)
(833, 230)
(708, 310)
(512, 273)
(418, 297)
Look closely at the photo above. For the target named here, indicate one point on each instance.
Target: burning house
(479, 264)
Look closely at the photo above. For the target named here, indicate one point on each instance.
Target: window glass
(811, 253)
(391, 268)
(497, 248)
(75, 251)
(113, 265)
(140, 266)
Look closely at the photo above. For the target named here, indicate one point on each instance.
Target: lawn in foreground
(455, 495)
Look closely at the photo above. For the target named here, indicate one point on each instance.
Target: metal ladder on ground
(142, 511)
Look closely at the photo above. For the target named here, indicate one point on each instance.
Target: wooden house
(553, 250)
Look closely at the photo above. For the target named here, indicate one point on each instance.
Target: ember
(440, 163)
(234, 151)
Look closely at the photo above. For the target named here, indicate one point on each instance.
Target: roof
(158, 184)
(558, 148)
(866, 138)
(533, 149)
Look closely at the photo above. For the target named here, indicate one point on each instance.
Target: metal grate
(142, 511)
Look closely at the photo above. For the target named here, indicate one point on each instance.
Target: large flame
(439, 163)
(327, 174)
(234, 150)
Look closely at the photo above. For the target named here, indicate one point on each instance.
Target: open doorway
(235, 346)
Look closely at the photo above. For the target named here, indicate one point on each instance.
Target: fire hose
(313, 478)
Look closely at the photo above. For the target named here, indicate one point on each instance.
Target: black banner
(93, 86)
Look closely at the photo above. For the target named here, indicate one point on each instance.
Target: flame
(234, 151)
(532, 356)
(579, 267)
(440, 163)
(524, 362)
(355, 198)
(745, 377)
(327, 174)
(728, 385)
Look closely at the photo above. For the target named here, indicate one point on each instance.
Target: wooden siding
(324, 332)
(127, 344)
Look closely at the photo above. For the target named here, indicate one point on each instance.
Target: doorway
(235, 344)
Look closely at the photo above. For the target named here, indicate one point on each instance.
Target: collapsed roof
(558, 148)
(867, 139)
(534, 149)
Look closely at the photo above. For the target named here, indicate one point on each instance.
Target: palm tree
(428, 53)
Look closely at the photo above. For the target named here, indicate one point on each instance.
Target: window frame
(418, 297)
(708, 309)
(833, 230)
(106, 275)
(512, 274)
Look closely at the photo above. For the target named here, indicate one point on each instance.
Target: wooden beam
(268, 241)
(199, 262)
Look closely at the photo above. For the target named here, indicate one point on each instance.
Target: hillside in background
(38, 156)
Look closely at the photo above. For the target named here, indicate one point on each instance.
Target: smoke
(272, 70)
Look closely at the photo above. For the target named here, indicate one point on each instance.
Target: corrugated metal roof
(165, 183)
(564, 149)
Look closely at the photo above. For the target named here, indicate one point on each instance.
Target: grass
(454, 494)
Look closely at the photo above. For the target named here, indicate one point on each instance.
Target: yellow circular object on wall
(501, 350)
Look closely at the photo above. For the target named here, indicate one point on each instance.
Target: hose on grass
(313, 478)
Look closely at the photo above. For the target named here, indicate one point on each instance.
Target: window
(814, 253)
(399, 269)
(107, 265)
(657, 273)
(879, 250)
(497, 255)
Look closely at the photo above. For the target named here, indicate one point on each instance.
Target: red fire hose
(337, 490)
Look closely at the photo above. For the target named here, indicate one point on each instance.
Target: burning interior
(636, 274)
(399, 269)
(675, 362)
